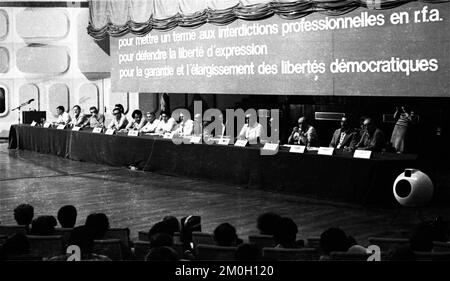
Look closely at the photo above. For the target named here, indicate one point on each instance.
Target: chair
(143, 236)
(141, 249)
(313, 242)
(441, 247)
(112, 248)
(283, 254)
(118, 233)
(386, 244)
(217, 253)
(345, 256)
(203, 238)
(262, 241)
(46, 246)
(10, 230)
(432, 256)
(27, 257)
(3, 238)
(65, 233)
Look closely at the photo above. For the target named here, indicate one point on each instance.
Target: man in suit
(344, 137)
(373, 138)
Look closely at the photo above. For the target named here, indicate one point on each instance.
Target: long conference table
(339, 177)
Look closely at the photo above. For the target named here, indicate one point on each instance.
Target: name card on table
(297, 149)
(76, 128)
(224, 141)
(326, 151)
(168, 135)
(271, 146)
(33, 123)
(110, 132)
(364, 154)
(47, 125)
(241, 143)
(61, 127)
(133, 133)
(196, 139)
(97, 130)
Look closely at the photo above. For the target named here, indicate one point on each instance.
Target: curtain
(118, 17)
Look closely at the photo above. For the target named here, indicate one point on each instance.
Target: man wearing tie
(344, 138)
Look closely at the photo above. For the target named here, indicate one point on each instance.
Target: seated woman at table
(63, 116)
(78, 119)
(166, 124)
(97, 120)
(119, 121)
(151, 124)
(138, 122)
(252, 130)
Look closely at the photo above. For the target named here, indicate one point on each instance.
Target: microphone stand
(20, 106)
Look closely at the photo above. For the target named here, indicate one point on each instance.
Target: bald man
(304, 134)
(373, 138)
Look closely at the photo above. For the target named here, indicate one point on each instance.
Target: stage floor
(137, 199)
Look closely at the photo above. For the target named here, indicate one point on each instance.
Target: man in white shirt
(63, 116)
(119, 121)
(78, 119)
(137, 123)
(252, 130)
(152, 123)
(166, 124)
(185, 127)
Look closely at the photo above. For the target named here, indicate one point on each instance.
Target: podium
(29, 116)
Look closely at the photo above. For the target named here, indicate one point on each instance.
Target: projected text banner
(398, 52)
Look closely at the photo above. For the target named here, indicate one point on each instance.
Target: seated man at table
(304, 134)
(373, 138)
(197, 126)
(344, 137)
(119, 121)
(252, 130)
(63, 116)
(166, 124)
(151, 124)
(78, 119)
(185, 126)
(97, 120)
(138, 122)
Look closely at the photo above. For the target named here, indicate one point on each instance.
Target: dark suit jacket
(376, 142)
(348, 139)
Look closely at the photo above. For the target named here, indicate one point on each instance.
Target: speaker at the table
(29, 116)
(413, 188)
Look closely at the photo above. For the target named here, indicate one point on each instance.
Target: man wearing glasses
(119, 121)
(304, 134)
(97, 120)
(373, 138)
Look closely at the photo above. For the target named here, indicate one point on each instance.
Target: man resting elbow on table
(252, 130)
(119, 121)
